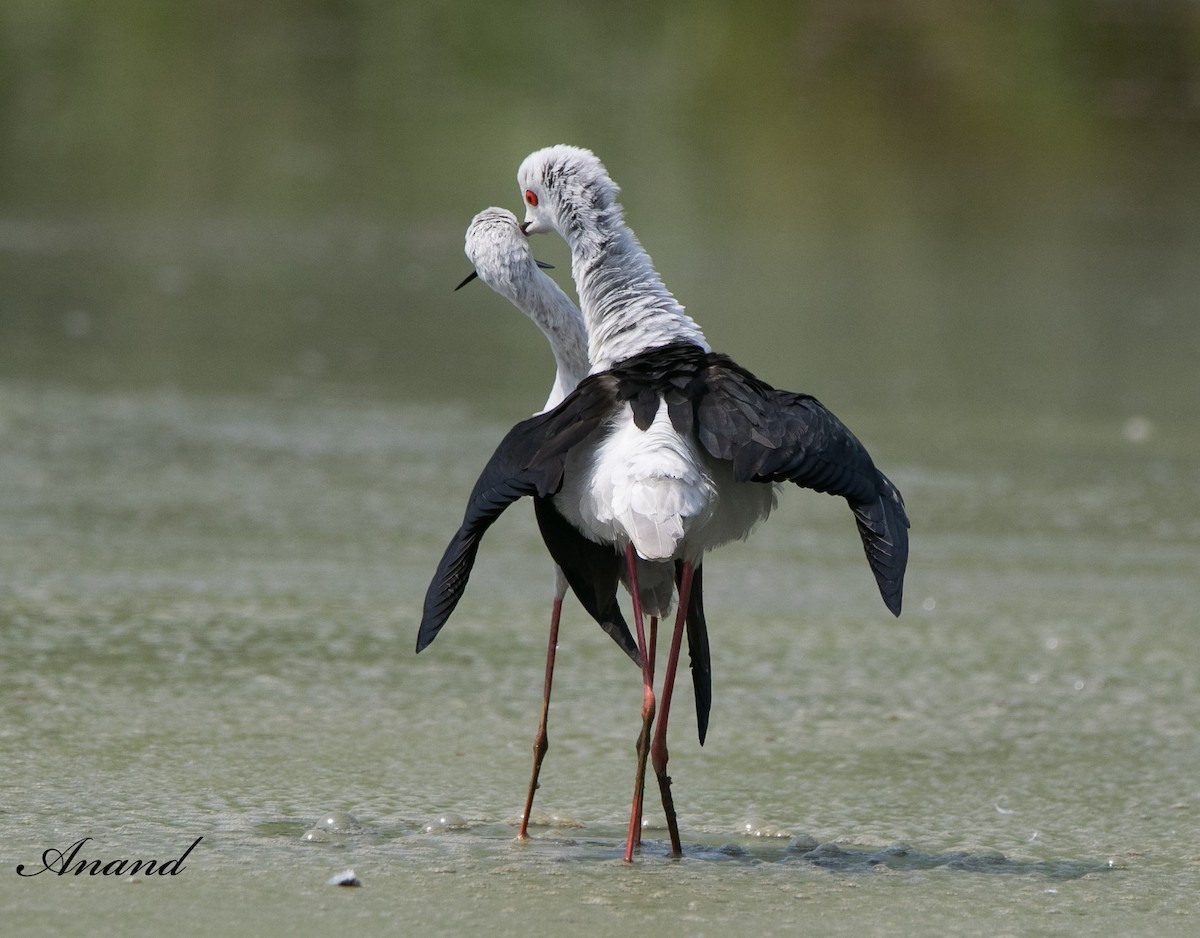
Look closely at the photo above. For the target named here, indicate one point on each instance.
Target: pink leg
(541, 742)
(653, 642)
(658, 749)
(637, 836)
(643, 743)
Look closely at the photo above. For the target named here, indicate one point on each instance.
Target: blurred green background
(241, 407)
(913, 207)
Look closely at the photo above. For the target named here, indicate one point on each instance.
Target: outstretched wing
(528, 461)
(779, 436)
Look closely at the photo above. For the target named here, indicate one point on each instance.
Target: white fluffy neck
(627, 308)
(560, 321)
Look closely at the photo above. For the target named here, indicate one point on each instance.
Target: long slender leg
(637, 835)
(658, 748)
(643, 743)
(541, 742)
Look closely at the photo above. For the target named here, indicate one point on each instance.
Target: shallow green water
(209, 605)
(241, 409)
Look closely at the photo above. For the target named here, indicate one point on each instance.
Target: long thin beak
(471, 276)
(525, 228)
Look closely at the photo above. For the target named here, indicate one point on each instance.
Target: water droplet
(339, 822)
(77, 324)
(311, 364)
(1137, 429)
(760, 829)
(445, 822)
(172, 280)
(654, 822)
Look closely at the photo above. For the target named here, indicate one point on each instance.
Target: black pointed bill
(473, 274)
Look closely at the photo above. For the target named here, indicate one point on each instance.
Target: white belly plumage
(659, 491)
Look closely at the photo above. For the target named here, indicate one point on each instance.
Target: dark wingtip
(427, 633)
(893, 603)
(883, 526)
(446, 588)
(425, 637)
(698, 649)
(543, 264)
(616, 628)
(592, 572)
(467, 279)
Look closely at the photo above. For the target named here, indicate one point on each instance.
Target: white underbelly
(657, 490)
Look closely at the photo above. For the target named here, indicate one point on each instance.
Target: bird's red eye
(531, 197)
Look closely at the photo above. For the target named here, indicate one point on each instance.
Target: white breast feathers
(649, 487)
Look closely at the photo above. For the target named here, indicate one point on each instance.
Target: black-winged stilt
(666, 450)
(500, 256)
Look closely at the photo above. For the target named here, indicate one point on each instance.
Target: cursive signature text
(67, 862)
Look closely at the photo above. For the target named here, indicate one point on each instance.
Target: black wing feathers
(768, 435)
(592, 570)
(883, 527)
(698, 651)
(774, 436)
(777, 436)
(528, 461)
